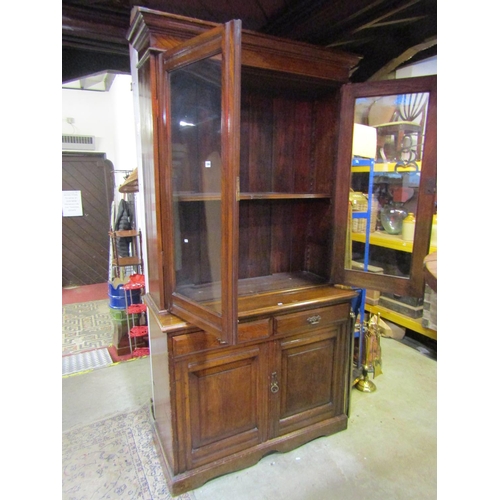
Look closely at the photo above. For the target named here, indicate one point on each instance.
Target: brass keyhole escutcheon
(274, 383)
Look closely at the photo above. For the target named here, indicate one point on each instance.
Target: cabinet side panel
(150, 181)
(162, 397)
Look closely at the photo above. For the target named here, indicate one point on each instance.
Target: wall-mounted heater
(78, 142)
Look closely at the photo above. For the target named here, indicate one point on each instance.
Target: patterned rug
(86, 326)
(112, 459)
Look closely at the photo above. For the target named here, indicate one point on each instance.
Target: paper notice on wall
(72, 204)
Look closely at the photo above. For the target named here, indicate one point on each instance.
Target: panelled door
(87, 182)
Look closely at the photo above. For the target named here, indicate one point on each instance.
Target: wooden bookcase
(250, 339)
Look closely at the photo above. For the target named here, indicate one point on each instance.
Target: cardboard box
(364, 142)
(402, 308)
(372, 297)
(429, 314)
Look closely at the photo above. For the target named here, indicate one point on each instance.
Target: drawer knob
(314, 320)
(274, 383)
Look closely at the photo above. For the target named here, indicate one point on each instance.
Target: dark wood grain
(244, 370)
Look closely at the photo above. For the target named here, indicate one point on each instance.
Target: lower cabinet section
(218, 409)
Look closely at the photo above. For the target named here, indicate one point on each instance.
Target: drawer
(310, 320)
(198, 341)
(254, 330)
(193, 342)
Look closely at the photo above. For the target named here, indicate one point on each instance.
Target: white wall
(109, 116)
(421, 68)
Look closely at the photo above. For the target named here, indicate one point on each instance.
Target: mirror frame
(414, 284)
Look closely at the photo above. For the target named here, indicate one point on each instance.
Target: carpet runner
(114, 458)
(84, 361)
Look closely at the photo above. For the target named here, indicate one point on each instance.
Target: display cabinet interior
(285, 180)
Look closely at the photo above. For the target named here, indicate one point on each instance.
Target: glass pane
(389, 135)
(196, 179)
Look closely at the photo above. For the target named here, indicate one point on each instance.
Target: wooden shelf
(402, 320)
(386, 167)
(252, 196)
(127, 261)
(393, 241)
(126, 233)
(283, 196)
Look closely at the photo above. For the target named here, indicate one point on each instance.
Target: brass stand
(364, 384)
(372, 357)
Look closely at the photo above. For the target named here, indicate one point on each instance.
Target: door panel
(310, 379)
(85, 239)
(225, 403)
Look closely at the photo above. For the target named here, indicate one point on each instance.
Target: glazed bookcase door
(199, 92)
(394, 174)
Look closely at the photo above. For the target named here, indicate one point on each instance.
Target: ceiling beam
(406, 20)
(384, 16)
(392, 65)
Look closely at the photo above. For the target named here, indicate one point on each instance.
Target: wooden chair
(399, 122)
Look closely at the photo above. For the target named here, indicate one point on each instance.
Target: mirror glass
(388, 138)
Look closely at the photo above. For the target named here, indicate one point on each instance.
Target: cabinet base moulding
(194, 478)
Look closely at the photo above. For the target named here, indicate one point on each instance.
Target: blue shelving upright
(364, 162)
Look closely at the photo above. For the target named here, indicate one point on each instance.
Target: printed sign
(72, 204)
